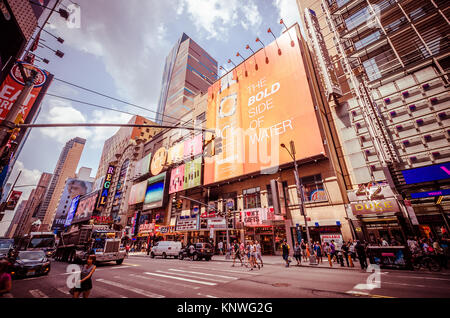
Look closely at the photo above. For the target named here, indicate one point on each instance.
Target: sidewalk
(272, 260)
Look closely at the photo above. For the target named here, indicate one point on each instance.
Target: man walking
(303, 247)
(220, 247)
(361, 251)
(258, 253)
(285, 248)
(236, 253)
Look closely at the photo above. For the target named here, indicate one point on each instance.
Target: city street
(142, 277)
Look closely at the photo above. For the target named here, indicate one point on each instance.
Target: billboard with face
(86, 207)
(263, 102)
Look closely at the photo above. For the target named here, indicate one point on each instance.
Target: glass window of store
(285, 190)
(252, 198)
(229, 201)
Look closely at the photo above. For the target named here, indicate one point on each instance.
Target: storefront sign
(187, 224)
(337, 238)
(257, 217)
(106, 186)
(217, 223)
(426, 174)
(147, 228)
(369, 207)
(167, 229)
(412, 215)
(102, 220)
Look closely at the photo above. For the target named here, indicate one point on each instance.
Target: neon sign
(426, 174)
(106, 186)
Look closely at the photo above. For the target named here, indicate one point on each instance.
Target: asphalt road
(171, 278)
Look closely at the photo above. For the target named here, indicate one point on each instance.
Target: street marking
(209, 296)
(107, 292)
(36, 293)
(381, 296)
(357, 293)
(127, 264)
(199, 273)
(181, 278)
(420, 277)
(120, 267)
(164, 281)
(403, 284)
(193, 276)
(60, 289)
(130, 288)
(226, 270)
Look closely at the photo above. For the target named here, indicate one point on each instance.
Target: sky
(120, 50)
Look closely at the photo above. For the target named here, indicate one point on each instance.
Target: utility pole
(8, 123)
(300, 194)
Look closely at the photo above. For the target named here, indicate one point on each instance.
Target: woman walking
(318, 252)
(86, 278)
(258, 253)
(297, 253)
(285, 248)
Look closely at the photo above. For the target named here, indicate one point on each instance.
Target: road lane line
(209, 296)
(164, 281)
(120, 267)
(109, 294)
(219, 280)
(130, 288)
(61, 290)
(181, 278)
(36, 293)
(200, 273)
(420, 277)
(227, 270)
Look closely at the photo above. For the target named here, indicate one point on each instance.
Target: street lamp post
(299, 185)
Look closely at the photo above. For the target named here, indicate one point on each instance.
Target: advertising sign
(371, 191)
(13, 85)
(193, 146)
(86, 207)
(154, 196)
(147, 228)
(436, 193)
(176, 179)
(106, 186)
(187, 224)
(137, 193)
(258, 216)
(142, 166)
(72, 210)
(426, 174)
(326, 68)
(217, 223)
(255, 109)
(101, 220)
(158, 161)
(13, 199)
(370, 207)
(175, 153)
(193, 174)
(337, 238)
(118, 196)
(411, 213)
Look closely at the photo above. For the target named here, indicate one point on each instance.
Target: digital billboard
(176, 179)
(72, 210)
(86, 207)
(142, 167)
(137, 193)
(193, 146)
(154, 196)
(192, 173)
(263, 102)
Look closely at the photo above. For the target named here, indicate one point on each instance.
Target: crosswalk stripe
(107, 292)
(164, 281)
(227, 270)
(209, 296)
(36, 293)
(200, 273)
(130, 288)
(220, 280)
(60, 289)
(181, 278)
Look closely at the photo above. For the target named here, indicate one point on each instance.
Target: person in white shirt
(220, 247)
(384, 242)
(258, 253)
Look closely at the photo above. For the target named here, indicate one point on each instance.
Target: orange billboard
(263, 102)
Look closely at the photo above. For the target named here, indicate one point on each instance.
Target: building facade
(391, 59)
(65, 168)
(17, 217)
(188, 70)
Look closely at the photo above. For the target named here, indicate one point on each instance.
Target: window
(367, 40)
(358, 18)
(201, 117)
(229, 201)
(286, 194)
(252, 198)
(313, 188)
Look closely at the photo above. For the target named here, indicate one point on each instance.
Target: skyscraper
(65, 168)
(188, 71)
(392, 62)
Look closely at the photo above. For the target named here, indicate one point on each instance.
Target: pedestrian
(258, 253)
(220, 246)
(333, 251)
(318, 252)
(127, 249)
(253, 262)
(297, 253)
(236, 253)
(191, 251)
(351, 248)
(439, 251)
(345, 251)
(361, 251)
(5, 280)
(285, 249)
(384, 242)
(86, 278)
(327, 250)
(242, 252)
(303, 248)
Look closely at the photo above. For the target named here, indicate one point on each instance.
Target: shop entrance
(390, 230)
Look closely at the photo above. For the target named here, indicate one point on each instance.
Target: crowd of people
(249, 254)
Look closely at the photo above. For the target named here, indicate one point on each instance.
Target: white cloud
(214, 18)
(288, 11)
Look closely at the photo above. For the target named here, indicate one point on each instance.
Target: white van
(166, 248)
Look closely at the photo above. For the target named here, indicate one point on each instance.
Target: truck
(77, 244)
(45, 241)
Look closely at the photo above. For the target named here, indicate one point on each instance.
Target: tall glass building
(188, 71)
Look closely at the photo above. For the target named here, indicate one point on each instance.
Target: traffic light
(179, 204)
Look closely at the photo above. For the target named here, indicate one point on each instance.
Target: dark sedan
(202, 251)
(30, 263)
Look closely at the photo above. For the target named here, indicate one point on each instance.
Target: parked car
(166, 248)
(202, 251)
(30, 263)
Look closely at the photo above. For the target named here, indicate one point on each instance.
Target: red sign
(13, 199)
(102, 219)
(13, 85)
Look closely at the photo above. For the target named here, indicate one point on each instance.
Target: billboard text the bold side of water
(262, 103)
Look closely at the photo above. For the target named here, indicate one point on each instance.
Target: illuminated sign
(137, 193)
(86, 206)
(263, 102)
(106, 186)
(154, 196)
(426, 174)
(370, 207)
(158, 161)
(101, 220)
(428, 194)
(72, 210)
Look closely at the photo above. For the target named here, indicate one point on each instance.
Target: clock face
(158, 161)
